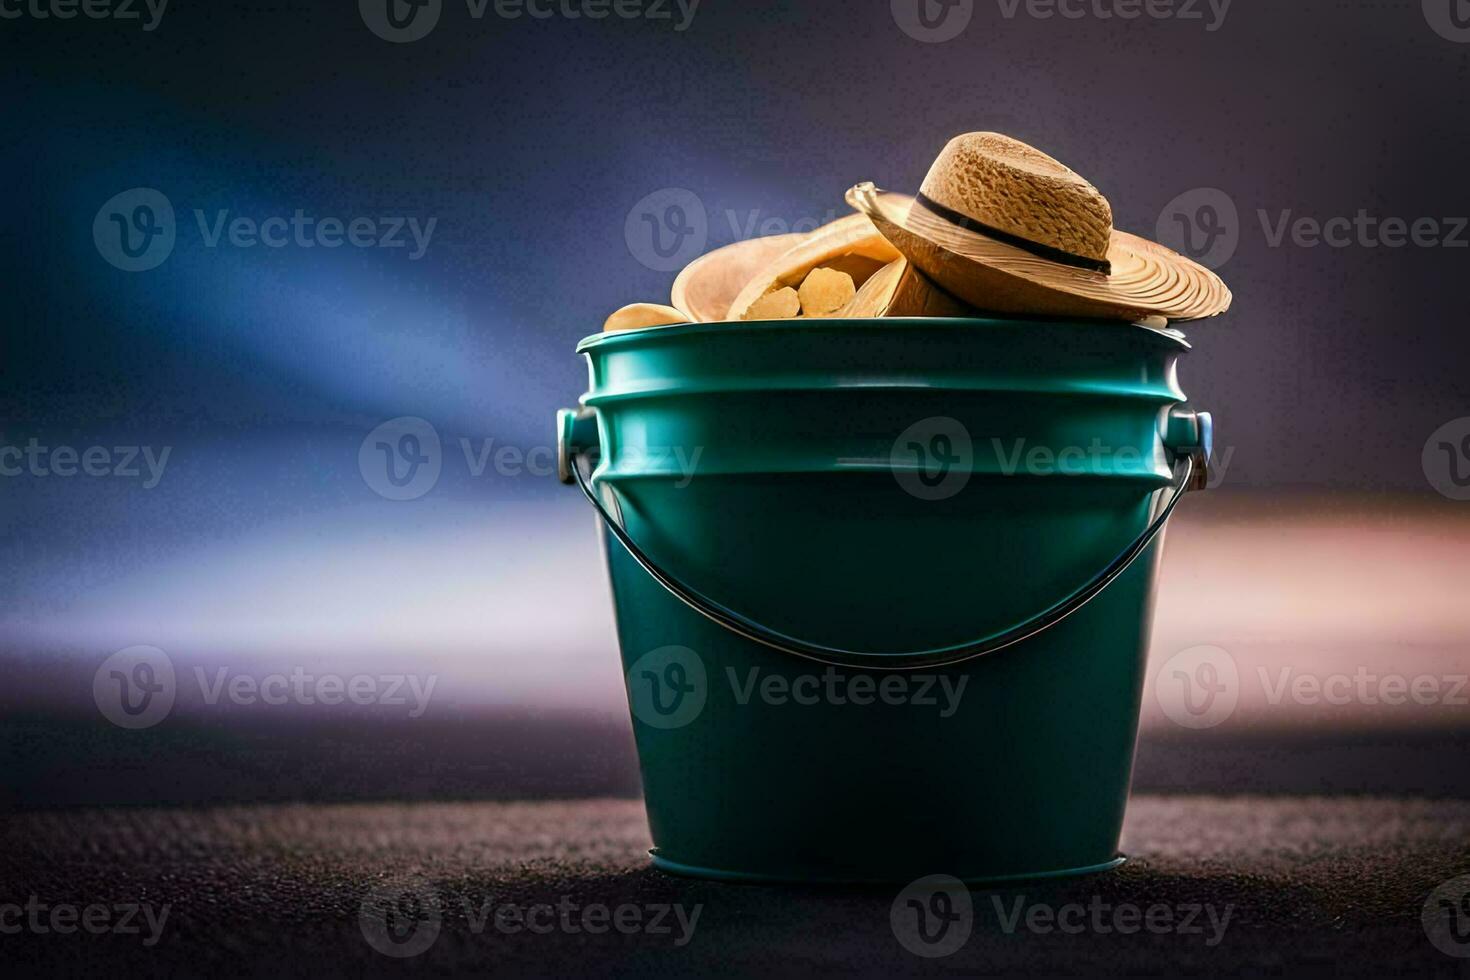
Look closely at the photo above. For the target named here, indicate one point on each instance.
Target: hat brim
(1146, 278)
(707, 286)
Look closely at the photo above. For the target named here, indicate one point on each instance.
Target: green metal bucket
(884, 587)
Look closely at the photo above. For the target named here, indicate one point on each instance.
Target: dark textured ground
(1313, 885)
(51, 761)
(1322, 830)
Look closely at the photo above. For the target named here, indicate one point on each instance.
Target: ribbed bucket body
(883, 486)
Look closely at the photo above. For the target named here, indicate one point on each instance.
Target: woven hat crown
(1003, 184)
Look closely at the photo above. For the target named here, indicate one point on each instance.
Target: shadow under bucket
(884, 587)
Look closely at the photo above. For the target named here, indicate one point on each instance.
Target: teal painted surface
(756, 463)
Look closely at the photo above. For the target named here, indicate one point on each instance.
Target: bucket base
(755, 878)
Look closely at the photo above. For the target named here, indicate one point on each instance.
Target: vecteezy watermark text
(126, 462)
(1362, 230)
(936, 21)
(1201, 687)
(403, 458)
(1203, 919)
(670, 227)
(1204, 224)
(149, 12)
(137, 230)
(835, 687)
(403, 919)
(668, 688)
(136, 687)
(308, 231)
(95, 918)
(934, 916)
(1018, 456)
(405, 21)
(1209, 13)
(934, 458)
(299, 687)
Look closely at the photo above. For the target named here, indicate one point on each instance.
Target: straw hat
(709, 284)
(849, 244)
(1006, 228)
(898, 290)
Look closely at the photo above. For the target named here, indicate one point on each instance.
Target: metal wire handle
(936, 657)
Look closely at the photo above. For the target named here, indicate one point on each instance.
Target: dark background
(534, 144)
(529, 142)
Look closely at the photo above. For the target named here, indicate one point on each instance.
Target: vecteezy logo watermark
(1450, 19)
(1362, 230)
(667, 687)
(1202, 224)
(667, 229)
(135, 687)
(1124, 918)
(1210, 13)
(303, 230)
(1446, 459)
(299, 687)
(1201, 687)
(402, 21)
(932, 21)
(935, 21)
(1364, 687)
(1096, 457)
(38, 460)
(96, 918)
(933, 916)
(931, 459)
(403, 918)
(401, 458)
(1198, 687)
(1446, 917)
(119, 10)
(838, 688)
(756, 223)
(134, 230)
(1205, 225)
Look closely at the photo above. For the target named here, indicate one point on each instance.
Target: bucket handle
(1189, 435)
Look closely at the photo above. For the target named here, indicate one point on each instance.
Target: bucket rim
(1167, 336)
